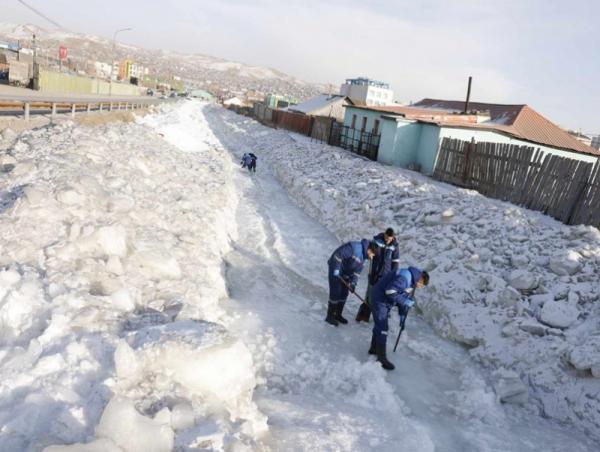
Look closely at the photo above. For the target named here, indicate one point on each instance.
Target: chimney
(468, 96)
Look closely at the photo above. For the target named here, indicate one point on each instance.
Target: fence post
(89, 108)
(110, 106)
(469, 149)
(578, 199)
(53, 114)
(27, 111)
(73, 108)
(100, 107)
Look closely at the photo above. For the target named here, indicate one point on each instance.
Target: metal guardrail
(56, 104)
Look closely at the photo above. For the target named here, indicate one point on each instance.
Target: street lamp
(112, 61)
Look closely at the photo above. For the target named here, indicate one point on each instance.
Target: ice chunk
(207, 362)
(587, 355)
(70, 196)
(131, 431)
(533, 327)
(509, 387)
(124, 299)
(98, 445)
(182, 416)
(566, 263)
(157, 264)
(34, 195)
(105, 241)
(522, 280)
(559, 314)
(509, 297)
(114, 265)
(126, 363)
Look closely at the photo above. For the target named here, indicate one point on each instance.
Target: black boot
(373, 348)
(331, 314)
(380, 349)
(363, 314)
(338, 313)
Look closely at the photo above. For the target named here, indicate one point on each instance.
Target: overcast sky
(545, 53)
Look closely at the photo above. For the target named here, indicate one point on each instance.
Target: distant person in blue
(394, 289)
(246, 161)
(387, 259)
(345, 264)
(253, 159)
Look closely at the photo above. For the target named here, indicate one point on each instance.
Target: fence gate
(360, 142)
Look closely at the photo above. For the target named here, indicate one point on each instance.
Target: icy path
(318, 386)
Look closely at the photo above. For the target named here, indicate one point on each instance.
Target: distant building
(323, 105)
(364, 91)
(581, 137)
(102, 69)
(279, 101)
(128, 69)
(201, 94)
(596, 142)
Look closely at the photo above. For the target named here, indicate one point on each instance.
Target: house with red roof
(410, 135)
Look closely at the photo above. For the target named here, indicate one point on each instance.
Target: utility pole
(112, 61)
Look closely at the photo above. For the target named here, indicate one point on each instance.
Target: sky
(544, 53)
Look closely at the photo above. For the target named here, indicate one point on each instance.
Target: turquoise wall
(428, 148)
(387, 142)
(360, 114)
(406, 142)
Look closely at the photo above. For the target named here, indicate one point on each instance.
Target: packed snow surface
(110, 287)
(154, 296)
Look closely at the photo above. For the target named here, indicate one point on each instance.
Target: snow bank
(517, 288)
(110, 280)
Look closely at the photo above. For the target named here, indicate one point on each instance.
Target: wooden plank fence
(564, 188)
(587, 210)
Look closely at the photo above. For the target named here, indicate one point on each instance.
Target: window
(353, 122)
(376, 127)
(364, 124)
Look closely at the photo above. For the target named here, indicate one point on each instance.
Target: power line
(39, 13)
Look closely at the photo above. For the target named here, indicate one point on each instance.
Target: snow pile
(110, 280)
(519, 289)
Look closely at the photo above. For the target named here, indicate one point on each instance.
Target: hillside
(217, 75)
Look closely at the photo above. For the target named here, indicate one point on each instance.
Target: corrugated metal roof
(318, 102)
(518, 120)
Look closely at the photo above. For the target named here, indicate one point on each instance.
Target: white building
(102, 69)
(364, 91)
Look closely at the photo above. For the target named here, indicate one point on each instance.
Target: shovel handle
(357, 295)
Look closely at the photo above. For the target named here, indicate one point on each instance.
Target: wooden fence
(293, 122)
(567, 189)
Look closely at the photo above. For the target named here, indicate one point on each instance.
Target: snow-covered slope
(110, 281)
(516, 288)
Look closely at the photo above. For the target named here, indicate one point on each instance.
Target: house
(234, 101)
(201, 94)
(364, 91)
(279, 101)
(331, 106)
(409, 136)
